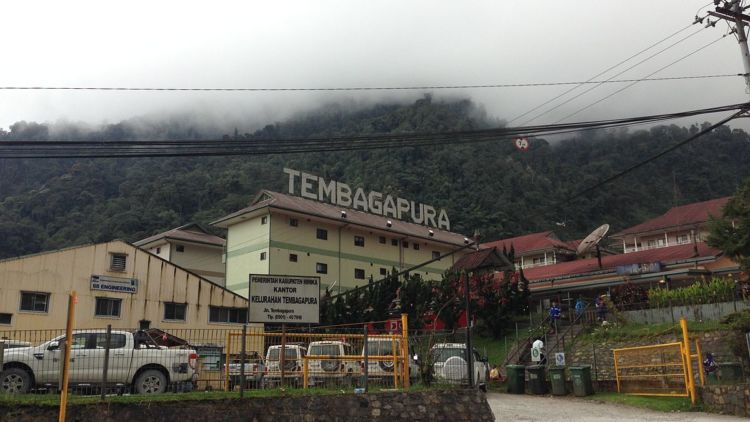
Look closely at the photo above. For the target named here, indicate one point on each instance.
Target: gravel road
(509, 407)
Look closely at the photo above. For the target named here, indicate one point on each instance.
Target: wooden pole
(72, 300)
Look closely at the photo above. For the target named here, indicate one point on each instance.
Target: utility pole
(731, 11)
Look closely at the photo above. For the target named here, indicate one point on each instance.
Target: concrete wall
(705, 312)
(60, 272)
(200, 259)
(434, 406)
(245, 243)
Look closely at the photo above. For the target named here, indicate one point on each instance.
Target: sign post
(284, 299)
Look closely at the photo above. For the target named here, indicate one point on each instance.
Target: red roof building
(678, 226)
(536, 249)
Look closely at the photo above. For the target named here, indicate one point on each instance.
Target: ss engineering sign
(284, 299)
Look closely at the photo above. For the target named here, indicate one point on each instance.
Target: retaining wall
(705, 312)
(728, 399)
(433, 406)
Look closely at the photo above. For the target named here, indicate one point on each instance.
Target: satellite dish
(592, 239)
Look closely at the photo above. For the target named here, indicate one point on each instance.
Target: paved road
(508, 407)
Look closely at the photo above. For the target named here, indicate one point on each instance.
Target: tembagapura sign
(313, 187)
(284, 299)
(114, 284)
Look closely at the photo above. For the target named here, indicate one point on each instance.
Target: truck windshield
(289, 353)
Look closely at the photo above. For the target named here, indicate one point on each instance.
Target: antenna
(592, 241)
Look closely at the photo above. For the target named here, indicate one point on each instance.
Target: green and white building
(284, 234)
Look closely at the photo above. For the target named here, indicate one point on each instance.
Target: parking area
(508, 407)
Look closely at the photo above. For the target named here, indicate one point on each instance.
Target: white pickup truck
(133, 361)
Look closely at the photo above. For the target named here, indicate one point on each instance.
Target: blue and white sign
(651, 267)
(560, 359)
(114, 284)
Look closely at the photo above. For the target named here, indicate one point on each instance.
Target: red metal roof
(482, 258)
(683, 215)
(582, 266)
(530, 242)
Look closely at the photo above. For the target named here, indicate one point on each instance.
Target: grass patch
(634, 331)
(73, 399)
(661, 404)
(496, 349)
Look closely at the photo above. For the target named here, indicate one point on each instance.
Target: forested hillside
(492, 187)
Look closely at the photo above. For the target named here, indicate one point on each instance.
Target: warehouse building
(117, 283)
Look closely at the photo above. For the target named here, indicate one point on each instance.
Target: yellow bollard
(689, 368)
(72, 300)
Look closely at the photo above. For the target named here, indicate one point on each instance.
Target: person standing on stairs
(554, 316)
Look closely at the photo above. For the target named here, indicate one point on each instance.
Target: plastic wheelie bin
(516, 378)
(537, 379)
(581, 376)
(557, 379)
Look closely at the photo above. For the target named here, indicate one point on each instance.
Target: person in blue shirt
(554, 315)
(580, 305)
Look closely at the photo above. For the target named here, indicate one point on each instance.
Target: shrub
(716, 290)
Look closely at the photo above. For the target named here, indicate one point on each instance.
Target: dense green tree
(731, 231)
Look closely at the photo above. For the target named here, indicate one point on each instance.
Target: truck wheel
(151, 381)
(15, 381)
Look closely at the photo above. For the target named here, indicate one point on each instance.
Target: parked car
(145, 367)
(14, 344)
(293, 363)
(383, 370)
(449, 363)
(331, 369)
(254, 371)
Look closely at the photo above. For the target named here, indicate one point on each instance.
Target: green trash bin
(581, 376)
(537, 379)
(557, 379)
(516, 379)
(731, 372)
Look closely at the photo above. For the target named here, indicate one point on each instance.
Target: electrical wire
(649, 75)
(656, 156)
(381, 88)
(233, 147)
(600, 73)
(612, 77)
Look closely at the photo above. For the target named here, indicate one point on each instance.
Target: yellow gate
(658, 369)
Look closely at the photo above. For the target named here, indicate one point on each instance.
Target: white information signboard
(560, 359)
(284, 299)
(114, 284)
(536, 354)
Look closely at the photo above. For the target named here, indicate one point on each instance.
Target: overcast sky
(319, 44)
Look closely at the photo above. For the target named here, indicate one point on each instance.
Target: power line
(381, 88)
(235, 147)
(600, 73)
(612, 77)
(649, 75)
(658, 155)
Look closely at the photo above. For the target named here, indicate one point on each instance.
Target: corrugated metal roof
(683, 215)
(582, 266)
(188, 233)
(530, 242)
(333, 212)
(482, 258)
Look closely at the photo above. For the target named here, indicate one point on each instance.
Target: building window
(394, 242)
(118, 261)
(435, 255)
(381, 239)
(383, 271)
(5, 319)
(180, 248)
(293, 222)
(158, 251)
(416, 246)
(225, 315)
(292, 257)
(359, 241)
(107, 307)
(359, 274)
(322, 234)
(264, 219)
(536, 261)
(406, 244)
(263, 256)
(35, 302)
(321, 268)
(682, 238)
(174, 311)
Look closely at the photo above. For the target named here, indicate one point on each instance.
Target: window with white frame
(34, 302)
(108, 307)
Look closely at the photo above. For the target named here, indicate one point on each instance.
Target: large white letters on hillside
(337, 193)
